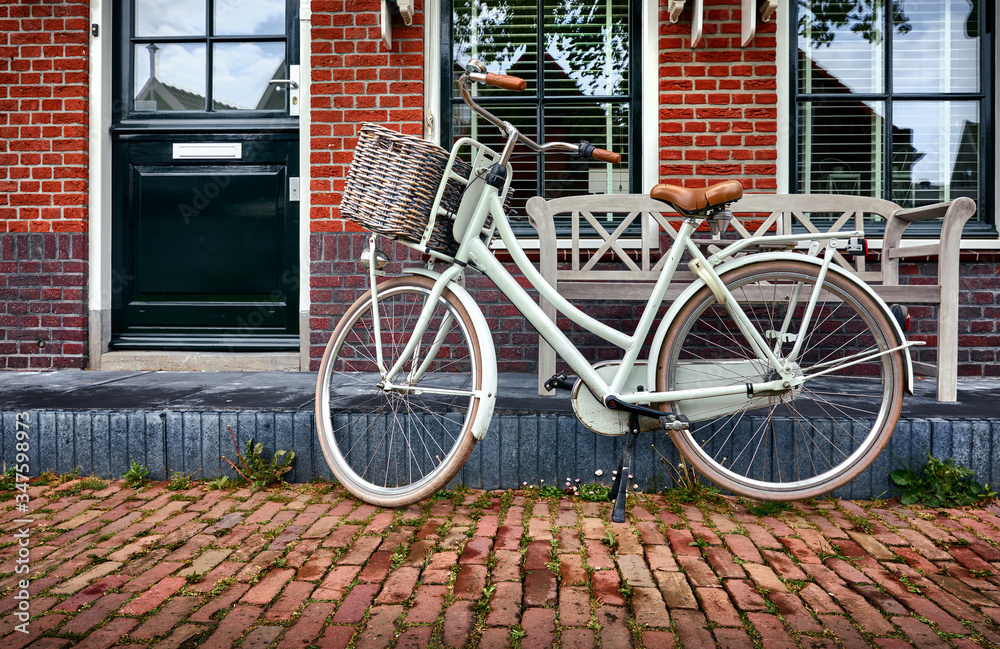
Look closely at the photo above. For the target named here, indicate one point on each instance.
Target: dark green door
(205, 150)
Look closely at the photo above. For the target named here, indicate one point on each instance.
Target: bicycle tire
(393, 448)
(804, 442)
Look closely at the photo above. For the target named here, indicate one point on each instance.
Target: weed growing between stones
(135, 476)
(256, 470)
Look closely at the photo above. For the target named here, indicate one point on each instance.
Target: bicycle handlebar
(476, 71)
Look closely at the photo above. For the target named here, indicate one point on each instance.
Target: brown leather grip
(506, 82)
(606, 156)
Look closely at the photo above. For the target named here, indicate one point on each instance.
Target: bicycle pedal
(675, 422)
(560, 381)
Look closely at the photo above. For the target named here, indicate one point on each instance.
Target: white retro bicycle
(408, 382)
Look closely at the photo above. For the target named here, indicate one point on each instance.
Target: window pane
(939, 49)
(240, 76)
(503, 35)
(935, 151)
(524, 163)
(840, 47)
(840, 147)
(586, 47)
(169, 18)
(603, 125)
(169, 77)
(246, 17)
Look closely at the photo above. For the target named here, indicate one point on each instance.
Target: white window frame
(649, 118)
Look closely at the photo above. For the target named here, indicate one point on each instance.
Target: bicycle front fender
(694, 287)
(487, 351)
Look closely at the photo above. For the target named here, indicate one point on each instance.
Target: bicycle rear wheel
(395, 446)
(800, 442)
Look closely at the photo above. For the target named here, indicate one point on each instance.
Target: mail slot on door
(208, 150)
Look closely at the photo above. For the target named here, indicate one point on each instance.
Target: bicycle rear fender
(487, 351)
(661, 331)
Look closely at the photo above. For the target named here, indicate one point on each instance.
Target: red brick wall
(718, 101)
(43, 183)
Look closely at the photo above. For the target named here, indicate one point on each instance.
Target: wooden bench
(587, 275)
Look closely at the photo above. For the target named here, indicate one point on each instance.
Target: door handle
(294, 84)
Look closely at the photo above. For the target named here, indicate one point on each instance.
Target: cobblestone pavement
(308, 566)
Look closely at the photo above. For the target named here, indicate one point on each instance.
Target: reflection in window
(568, 51)
(876, 108)
(179, 67)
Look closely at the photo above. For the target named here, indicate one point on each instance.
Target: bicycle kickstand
(619, 489)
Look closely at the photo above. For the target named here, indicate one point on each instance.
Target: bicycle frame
(473, 250)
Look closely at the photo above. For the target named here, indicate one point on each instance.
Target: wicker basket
(392, 184)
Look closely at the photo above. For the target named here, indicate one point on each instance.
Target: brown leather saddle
(699, 202)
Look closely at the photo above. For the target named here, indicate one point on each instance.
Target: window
(893, 100)
(209, 57)
(581, 61)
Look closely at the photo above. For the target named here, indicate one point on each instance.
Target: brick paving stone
(360, 551)
(764, 577)
(598, 555)
(660, 557)
(970, 559)
(264, 591)
(772, 632)
(919, 633)
(648, 607)
(584, 639)
(670, 519)
(538, 529)
(723, 565)
(153, 597)
(846, 571)
(540, 588)
(960, 589)
(222, 571)
(205, 562)
(704, 533)
(681, 541)
(335, 637)
(309, 626)
(399, 586)
(261, 637)
(928, 609)
(879, 599)
(732, 638)
(459, 620)
(84, 579)
(220, 602)
(476, 551)
(291, 599)
(353, 608)
(540, 627)
(379, 632)
(470, 582)
(18, 640)
(744, 595)
(377, 567)
(691, 629)
(844, 631)
(574, 606)
(487, 526)
(742, 548)
(537, 555)
(427, 603)
(508, 537)
(796, 616)
(657, 640)
(88, 619)
(675, 590)
(698, 572)
(159, 571)
(418, 637)
(650, 533)
(568, 539)
(614, 626)
(626, 541)
(717, 606)
(635, 571)
(761, 537)
(863, 613)
(88, 594)
(505, 605)
(571, 570)
(109, 634)
(168, 617)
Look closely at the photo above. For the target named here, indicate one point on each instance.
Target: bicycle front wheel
(392, 445)
(799, 442)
